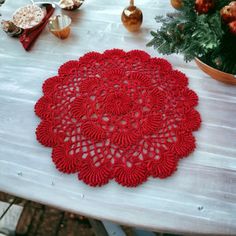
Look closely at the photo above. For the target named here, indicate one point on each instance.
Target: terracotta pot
(216, 74)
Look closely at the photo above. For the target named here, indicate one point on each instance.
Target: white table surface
(199, 198)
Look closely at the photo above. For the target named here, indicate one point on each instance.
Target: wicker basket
(216, 74)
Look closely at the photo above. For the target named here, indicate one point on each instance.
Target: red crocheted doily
(117, 115)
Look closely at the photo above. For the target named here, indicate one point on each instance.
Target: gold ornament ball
(132, 18)
(177, 4)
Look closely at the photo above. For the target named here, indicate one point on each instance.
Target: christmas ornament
(132, 17)
(10, 28)
(70, 5)
(177, 4)
(204, 6)
(232, 27)
(233, 4)
(217, 61)
(202, 36)
(228, 13)
(60, 26)
(29, 16)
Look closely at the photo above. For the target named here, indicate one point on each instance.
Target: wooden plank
(73, 225)
(50, 222)
(37, 218)
(25, 220)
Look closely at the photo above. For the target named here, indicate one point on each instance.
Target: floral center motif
(117, 104)
(122, 108)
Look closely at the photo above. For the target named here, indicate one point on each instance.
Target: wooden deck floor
(40, 220)
(37, 220)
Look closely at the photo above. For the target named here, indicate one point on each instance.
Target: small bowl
(216, 74)
(60, 26)
(28, 16)
(70, 5)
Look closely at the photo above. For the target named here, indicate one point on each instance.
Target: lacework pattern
(117, 115)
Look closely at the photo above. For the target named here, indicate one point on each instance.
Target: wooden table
(199, 198)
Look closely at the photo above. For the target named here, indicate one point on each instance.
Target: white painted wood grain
(199, 198)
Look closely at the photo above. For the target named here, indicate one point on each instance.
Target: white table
(199, 198)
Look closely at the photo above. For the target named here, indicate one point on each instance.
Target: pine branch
(203, 36)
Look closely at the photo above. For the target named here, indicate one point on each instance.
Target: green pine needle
(204, 36)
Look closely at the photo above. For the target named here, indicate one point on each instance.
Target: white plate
(28, 16)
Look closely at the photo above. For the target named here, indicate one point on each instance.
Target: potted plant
(204, 30)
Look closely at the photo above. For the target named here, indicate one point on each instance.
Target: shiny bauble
(177, 4)
(132, 18)
(232, 27)
(228, 13)
(204, 6)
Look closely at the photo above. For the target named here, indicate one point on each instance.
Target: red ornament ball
(228, 13)
(204, 6)
(232, 27)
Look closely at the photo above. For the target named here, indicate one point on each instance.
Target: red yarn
(117, 115)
